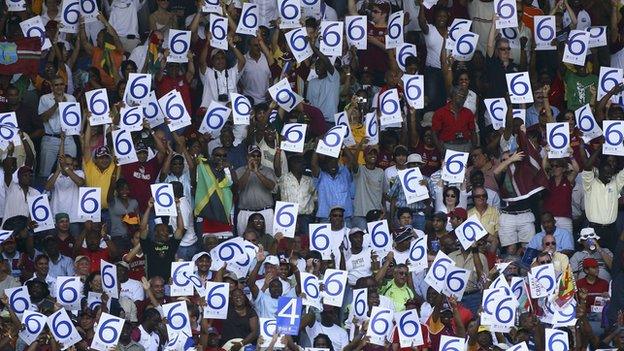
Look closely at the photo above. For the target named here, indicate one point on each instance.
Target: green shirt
(577, 91)
(398, 295)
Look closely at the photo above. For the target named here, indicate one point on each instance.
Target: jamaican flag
(213, 196)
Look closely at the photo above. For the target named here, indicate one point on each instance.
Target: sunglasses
(550, 243)
(450, 195)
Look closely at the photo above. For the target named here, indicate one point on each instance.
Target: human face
(478, 158)
(162, 233)
(103, 162)
(400, 159)
(203, 263)
(549, 243)
(463, 81)
(251, 237)
(441, 19)
(13, 97)
(96, 283)
(26, 178)
(123, 192)
(548, 223)
(255, 157)
(62, 224)
(400, 275)
(122, 274)
(371, 157)
(405, 219)
(480, 197)
(93, 240)
(336, 218)
(456, 221)
(218, 61)
(142, 156)
(459, 97)
(163, 4)
(42, 266)
(177, 166)
(378, 15)
(504, 51)
(438, 224)
(275, 288)
(357, 240)
(450, 198)
(605, 173)
(83, 267)
(158, 288)
(258, 223)
(238, 298)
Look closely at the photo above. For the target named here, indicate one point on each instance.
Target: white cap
(414, 158)
(272, 259)
(588, 233)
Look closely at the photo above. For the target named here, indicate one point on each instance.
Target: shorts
(516, 228)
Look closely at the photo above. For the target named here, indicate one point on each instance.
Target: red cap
(590, 262)
(459, 212)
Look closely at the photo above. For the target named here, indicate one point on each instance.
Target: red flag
(20, 56)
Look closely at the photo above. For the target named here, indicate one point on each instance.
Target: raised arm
(239, 56)
(143, 229)
(422, 20)
(179, 233)
(492, 38)
(314, 165)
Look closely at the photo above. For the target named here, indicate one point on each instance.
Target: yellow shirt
(601, 201)
(489, 219)
(98, 179)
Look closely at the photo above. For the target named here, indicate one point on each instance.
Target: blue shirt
(532, 116)
(562, 237)
(334, 191)
(325, 94)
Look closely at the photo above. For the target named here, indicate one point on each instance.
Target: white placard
(511, 34)
(311, 288)
(285, 218)
(454, 169)
(241, 109)
(214, 119)
(98, 105)
(381, 241)
(334, 282)
(507, 14)
(436, 275)
(284, 96)
(458, 26)
(576, 48)
(586, 123)
(233, 252)
(217, 300)
(268, 327)
(360, 303)
(212, 6)
(110, 284)
(380, 325)
(293, 137)
(452, 343)
(410, 182)
(151, 111)
(470, 231)
(609, 78)
(456, 282)
(19, 299)
(69, 292)
(15, 5)
(4, 235)
(519, 88)
(107, 332)
(614, 137)
(131, 118)
(297, 40)
(331, 143)
(89, 206)
(465, 46)
(545, 33)
(138, 88)
(372, 128)
(63, 329)
(40, 212)
(178, 320)
(331, 38)
(390, 107)
(70, 14)
(499, 309)
(9, 130)
(408, 325)
(542, 280)
(597, 36)
(496, 110)
(172, 106)
(417, 259)
(356, 29)
(519, 113)
(322, 240)
(311, 8)
(164, 201)
(342, 119)
(403, 51)
(124, 147)
(248, 22)
(395, 34)
(33, 28)
(289, 13)
(71, 118)
(89, 10)
(556, 340)
(218, 32)
(558, 135)
(33, 323)
(413, 88)
(181, 284)
(520, 347)
(94, 300)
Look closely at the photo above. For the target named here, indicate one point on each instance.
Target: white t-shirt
(53, 125)
(434, 43)
(402, 257)
(189, 237)
(216, 83)
(359, 265)
(256, 78)
(16, 203)
(149, 341)
(124, 17)
(64, 197)
(133, 290)
(336, 334)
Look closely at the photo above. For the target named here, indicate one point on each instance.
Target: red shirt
(139, 177)
(375, 58)
(66, 247)
(180, 84)
(137, 267)
(431, 158)
(424, 332)
(558, 200)
(600, 286)
(95, 257)
(451, 128)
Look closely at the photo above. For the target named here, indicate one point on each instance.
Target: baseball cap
(590, 262)
(199, 255)
(337, 207)
(102, 151)
(253, 148)
(81, 257)
(23, 170)
(459, 212)
(271, 259)
(402, 234)
(230, 275)
(355, 230)
(414, 158)
(212, 330)
(61, 215)
(214, 52)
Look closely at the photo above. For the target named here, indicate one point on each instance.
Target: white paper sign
(341, 119)
(372, 128)
(608, 79)
(380, 325)
(181, 273)
(614, 138)
(542, 280)
(465, 46)
(436, 276)
(322, 240)
(71, 117)
(218, 32)
(33, 323)
(89, 10)
(151, 111)
(511, 34)
(413, 88)
(9, 130)
(233, 252)
(214, 119)
(33, 28)
(248, 22)
(403, 51)
(284, 96)
(268, 327)
(173, 108)
(217, 300)
(410, 182)
(297, 40)
(241, 109)
(89, 206)
(311, 288)
(470, 231)
(70, 13)
(4, 235)
(178, 320)
(16, 5)
(499, 308)
(331, 38)
(69, 292)
(334, 282)
(311, 8)
(417, 259)
(285, 218)
(545, 33)
(556, 340)
(40, 212)
(507, 14)
(107, 332)
(597, 36)
(452, 343)
(331, 143)
(131, 118)
(390, 107)
(458, 26)
(289, 13)
(456, 282)
(558, 139)
(63, 329)
(108, 272)
(97, 104)
(519, 88)
(19, 299)
(496, 110)
(454, 169)
(212, 6)
(395, 34)
(519, 347)
(164, 201)
(381, 241)
(576, 48)
(408, 326)
(138, 88)
(293, 137)
(356, 29)
(360, 303)
(124, 147)
(586, 123)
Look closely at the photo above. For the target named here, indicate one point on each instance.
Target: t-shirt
(358, 265)
(369, 189)
(577, 89)
(117, 210)
(336, 334)
(132, 289)
(159, 253)
(255, 196)
(95, 256)
(323, 93)
(64, 197)
(139, 177)
(434, 41)
(99, 179)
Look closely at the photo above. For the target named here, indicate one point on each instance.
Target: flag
(213, 196)
(20, 56)
(567, 287)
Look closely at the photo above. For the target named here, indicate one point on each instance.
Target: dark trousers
(608, 234)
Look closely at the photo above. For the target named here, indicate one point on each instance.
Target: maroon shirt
(431, 157)
(139, 177)
(558, 200)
